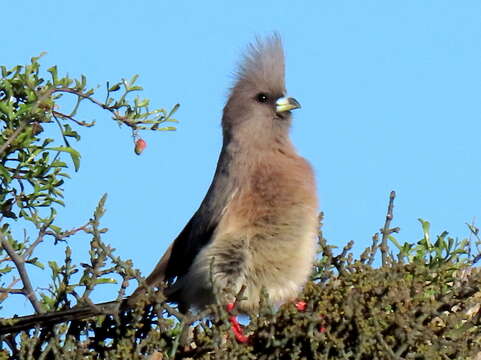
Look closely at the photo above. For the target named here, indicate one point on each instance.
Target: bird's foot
(236, 327)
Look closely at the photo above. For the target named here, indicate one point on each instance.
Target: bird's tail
(154, 279)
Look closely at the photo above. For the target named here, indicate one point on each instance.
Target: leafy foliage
(36, 135)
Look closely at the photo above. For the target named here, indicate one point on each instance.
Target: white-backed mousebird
(256, 227)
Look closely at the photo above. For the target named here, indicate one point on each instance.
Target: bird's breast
(275, 214)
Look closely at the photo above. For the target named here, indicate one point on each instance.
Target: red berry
(301, 305)
(140, 146)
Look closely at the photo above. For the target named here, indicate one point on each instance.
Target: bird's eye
(262, 98)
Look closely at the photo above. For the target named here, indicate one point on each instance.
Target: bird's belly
(281, 267)
(276, 264)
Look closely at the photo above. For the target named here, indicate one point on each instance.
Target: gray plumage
(257, 225)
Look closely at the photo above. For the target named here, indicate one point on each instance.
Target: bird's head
(258, 105)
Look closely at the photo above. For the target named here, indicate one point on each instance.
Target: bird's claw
(236, 327)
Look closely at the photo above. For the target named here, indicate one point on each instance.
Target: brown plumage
(257, 224)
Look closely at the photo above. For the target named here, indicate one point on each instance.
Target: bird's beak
(286, 104)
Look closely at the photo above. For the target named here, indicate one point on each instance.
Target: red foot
(236, 327)
(237, 330)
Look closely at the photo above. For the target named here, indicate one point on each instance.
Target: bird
(256, 228)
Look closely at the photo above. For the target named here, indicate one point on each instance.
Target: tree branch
(17, 324)
(11, 291)
(8, 290)
(386, 230)
(71, 118)
(115, 113)
(52, 318)
(19, 262)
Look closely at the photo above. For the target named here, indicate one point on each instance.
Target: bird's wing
(198, 232)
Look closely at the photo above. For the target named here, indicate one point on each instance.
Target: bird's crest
(263, 64)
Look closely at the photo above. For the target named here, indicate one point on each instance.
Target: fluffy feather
(263, 65)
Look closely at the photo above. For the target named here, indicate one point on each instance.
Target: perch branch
(52, 318)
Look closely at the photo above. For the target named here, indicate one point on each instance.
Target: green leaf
(141, 103)
(167, 128)
(6, 269)
(135, 88)
(68, 131)
(106, 281)
(37, 263)
(394, 241)
(56, 229)
(474, 230)
(6, 108)
(59, 164)
(34, 59)
(55, 269)
(83, 80)
(115, 87)
(425, 225)
(54, 72)
(74, 154)
(133, 79)
(174, 109)
(5, 174)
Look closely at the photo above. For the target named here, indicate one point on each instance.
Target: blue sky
(390, 95)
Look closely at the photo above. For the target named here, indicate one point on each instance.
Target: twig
(115, 113)
(9, 290)
(386, 230)
(19, 262)
(12, 137)
(181, 338)
(65, 234)
(374, 248)
(240, 296)
(82, 95)
(385, 345)
(71, 118)
(58, 237)
(38, 240)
